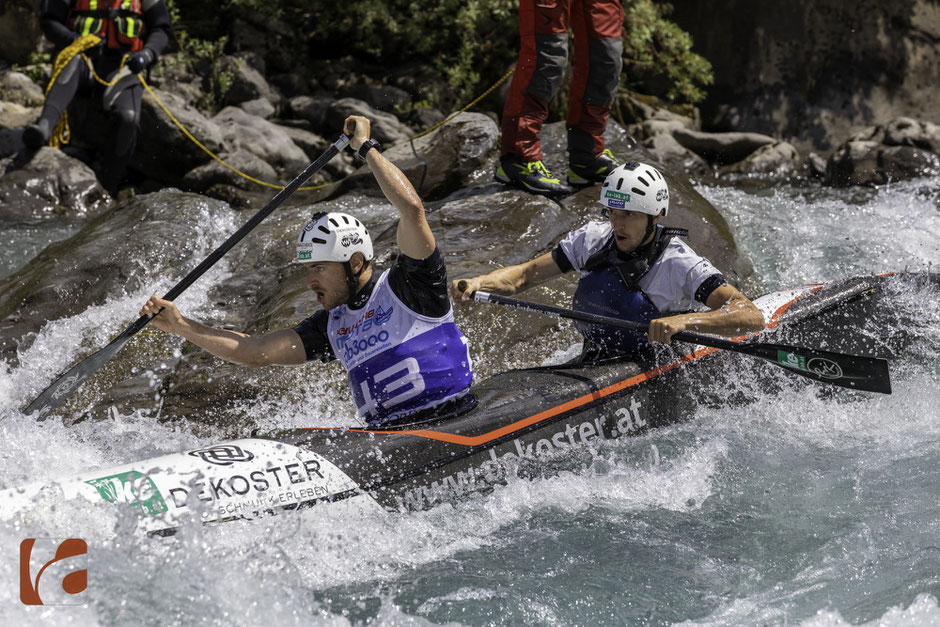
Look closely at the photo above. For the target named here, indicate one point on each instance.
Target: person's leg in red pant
(598, 49)
(540, 70)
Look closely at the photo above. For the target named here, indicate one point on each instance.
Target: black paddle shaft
(61, 388)
(850, 371)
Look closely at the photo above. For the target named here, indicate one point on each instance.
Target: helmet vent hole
(324, 229)
(642, 180)
(637, 190)
(345, 219)
(317, 240)
(619, 184)
(334, 222)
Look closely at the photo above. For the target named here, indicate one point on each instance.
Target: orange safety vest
(119, 22)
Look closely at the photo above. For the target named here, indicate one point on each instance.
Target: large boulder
(871, 163)
(247, 83)
(119, 251)
(16, 116)
(262, 138)
(214, 173)
(164, 152)
(901, 149)
(385, 127)
(440, 161)
(721, 148)
(771, 161)
(18, 88)
(669, 152)
(49, 185)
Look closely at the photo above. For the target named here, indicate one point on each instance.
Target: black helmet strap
(352, 278)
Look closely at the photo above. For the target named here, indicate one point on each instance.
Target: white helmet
(636, 187)
(333, 237)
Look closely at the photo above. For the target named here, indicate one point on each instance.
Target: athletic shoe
(533, 176)
(35, 136)
(592, 172)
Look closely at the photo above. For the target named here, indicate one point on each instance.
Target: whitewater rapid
(805, 507)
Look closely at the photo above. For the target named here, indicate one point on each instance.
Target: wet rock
(901, 149)
(437, 162)
(123, 249)
(262, 138)
(777, 160)
(913, 133)
(51, 184)
(814, 71)
(722, 148)
(816, 165)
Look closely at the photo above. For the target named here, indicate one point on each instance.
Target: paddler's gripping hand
(358, 130)
(662, 329)
(462, 289)
(167, 317)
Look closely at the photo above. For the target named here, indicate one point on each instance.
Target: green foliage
(35, 67)
(470, 42)
(658, 57)
(204, 58)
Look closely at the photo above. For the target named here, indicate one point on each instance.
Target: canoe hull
(521, 415)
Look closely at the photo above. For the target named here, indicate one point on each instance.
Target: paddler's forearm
(229, 345)
(735, 318)
(512, 279)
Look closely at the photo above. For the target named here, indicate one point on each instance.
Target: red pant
(543, 27)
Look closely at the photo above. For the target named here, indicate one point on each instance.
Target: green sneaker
(533, 176)
(592, 172)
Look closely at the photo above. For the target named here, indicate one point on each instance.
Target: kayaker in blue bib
(394, 331)
(634, 269)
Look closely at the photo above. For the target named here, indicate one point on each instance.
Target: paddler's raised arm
(415, 239)
(279, 348)
(509, 280)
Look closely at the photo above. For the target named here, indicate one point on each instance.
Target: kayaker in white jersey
(394, 331)
(634, 269)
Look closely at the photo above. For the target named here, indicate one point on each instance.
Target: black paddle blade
(855, 372)
(61, 388)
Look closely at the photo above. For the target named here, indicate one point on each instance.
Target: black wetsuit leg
(125, 120)
(70, 80)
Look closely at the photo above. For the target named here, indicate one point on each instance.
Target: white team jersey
(673, 279)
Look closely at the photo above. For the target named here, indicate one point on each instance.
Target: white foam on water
(799, 235)
(282, 569)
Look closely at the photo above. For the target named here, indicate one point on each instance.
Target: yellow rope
(478, 99)
(209, 152)
(61, 134)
